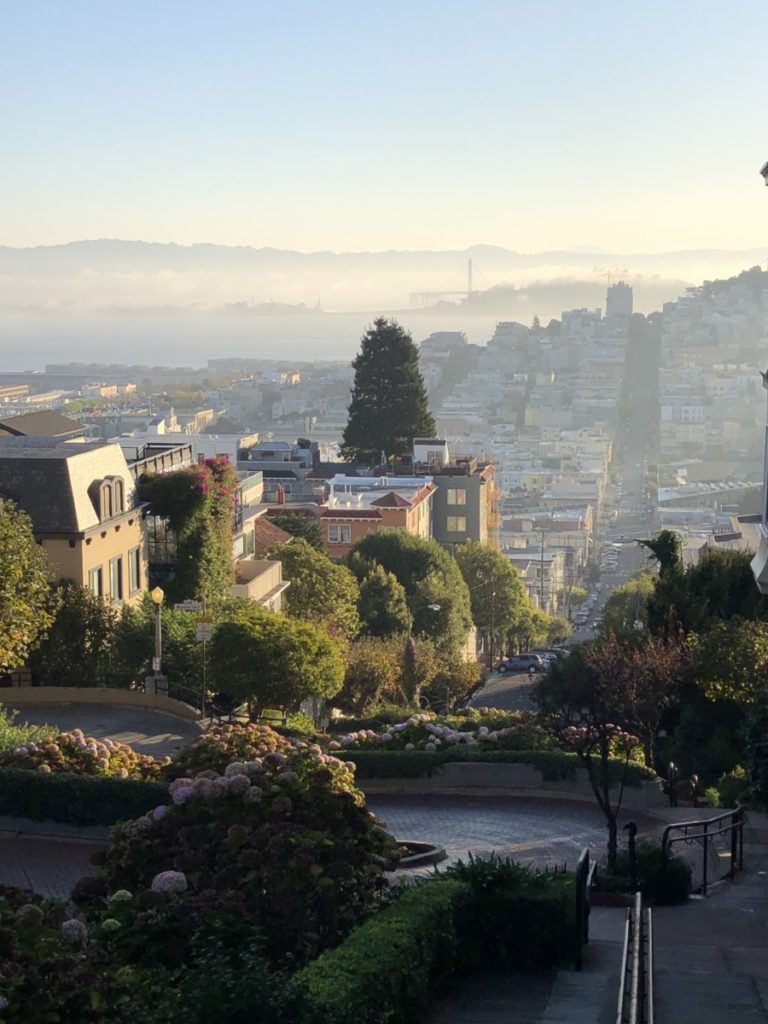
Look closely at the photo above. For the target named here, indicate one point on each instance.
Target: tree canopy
(321, 591)
(26, 610)
(666, 550)
(389, 401)
(438, 598)
(730, 660)
(270, 660)
(383, 605)
(720, 586)
(628, 604)
(299, 525)
(77, 646)
(498, 597)
(604, 700)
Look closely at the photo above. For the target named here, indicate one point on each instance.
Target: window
(118, 496)
(134, 570)
(105, 511)
(457, 524)
(116, 579)
(339, 534)
(96, 582)
(457, 496)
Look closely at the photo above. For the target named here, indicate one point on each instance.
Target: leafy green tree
(438, 598)
(497, 595)
(26, 609)
(558, 629)
(382, 605)
(628, 604)
(299, 525)
(420, 666)
(76, 648)
(720, 586)
(268, 660)
(321, 591)
(389, 401)
(133, 648)
(602, 702)
(730, 660)
(666, 550)
(373, 675)
(756, 747)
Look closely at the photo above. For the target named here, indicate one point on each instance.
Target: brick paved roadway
(525, 828)
(47, 866)
(505, 691)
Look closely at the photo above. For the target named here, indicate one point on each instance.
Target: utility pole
(541, 574)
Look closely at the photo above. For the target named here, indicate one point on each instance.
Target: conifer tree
(389, 401)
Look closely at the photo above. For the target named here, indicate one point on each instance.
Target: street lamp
(157, 596)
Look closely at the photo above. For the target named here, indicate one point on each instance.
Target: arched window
(105, 500)
(118, 496)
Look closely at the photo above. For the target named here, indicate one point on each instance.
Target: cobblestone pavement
(525, 828)
(504, 691)
(47, 866)
(149, 732)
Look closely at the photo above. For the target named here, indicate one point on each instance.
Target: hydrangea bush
(279, 848)
(430, 733)
(78, 754)
(214, 749)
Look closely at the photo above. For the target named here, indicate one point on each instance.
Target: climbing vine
(198, 505)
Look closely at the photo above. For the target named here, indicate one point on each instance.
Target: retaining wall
(458, 778)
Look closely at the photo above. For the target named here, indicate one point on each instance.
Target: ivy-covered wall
(198, 504)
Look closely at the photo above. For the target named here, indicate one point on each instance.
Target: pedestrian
(695, 790)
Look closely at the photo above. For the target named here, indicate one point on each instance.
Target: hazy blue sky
(322, 124)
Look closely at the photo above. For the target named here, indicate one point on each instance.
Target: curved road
(148, 732)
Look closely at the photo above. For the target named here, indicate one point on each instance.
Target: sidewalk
(711, 960)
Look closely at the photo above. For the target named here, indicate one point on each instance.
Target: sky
(385, 124)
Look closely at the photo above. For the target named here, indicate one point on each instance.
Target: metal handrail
(635, 1000)
(586, 868)
(735, 827)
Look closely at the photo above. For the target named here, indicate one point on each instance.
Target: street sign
(188, 606)
(204, 631)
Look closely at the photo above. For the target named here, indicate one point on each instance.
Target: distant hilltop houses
(528, 430)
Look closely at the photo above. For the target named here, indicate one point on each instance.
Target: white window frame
(339, 533)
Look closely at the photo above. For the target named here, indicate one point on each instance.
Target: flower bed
(506, 731)
(77, 754)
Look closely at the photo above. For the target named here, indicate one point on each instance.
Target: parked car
(522, 663)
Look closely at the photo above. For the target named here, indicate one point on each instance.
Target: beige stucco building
(81, 499)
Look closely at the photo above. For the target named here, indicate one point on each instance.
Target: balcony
(260, 580)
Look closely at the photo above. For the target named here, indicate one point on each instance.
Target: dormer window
(118, 496)
(105, 500)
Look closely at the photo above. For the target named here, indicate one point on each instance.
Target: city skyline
(350, 129)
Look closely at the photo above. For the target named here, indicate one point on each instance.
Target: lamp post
(410, 643)
(157, 596)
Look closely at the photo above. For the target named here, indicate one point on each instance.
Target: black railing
(730, 824)
(585, 873)
(635, 1002)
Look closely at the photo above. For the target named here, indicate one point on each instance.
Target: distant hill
(124, 275)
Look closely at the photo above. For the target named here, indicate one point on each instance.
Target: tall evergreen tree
(389, 401)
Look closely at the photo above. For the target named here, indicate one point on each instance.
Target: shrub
(731, 789)
(281, 847)
(659, 880)
(78, 754)
(427, 731)
(221, 744)
(518, 917)
(387, 969)
(13, 735)
(415, 764)
(76, 799)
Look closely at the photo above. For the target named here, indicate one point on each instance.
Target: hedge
(389, 967)
(416, 764)
(76, 799)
